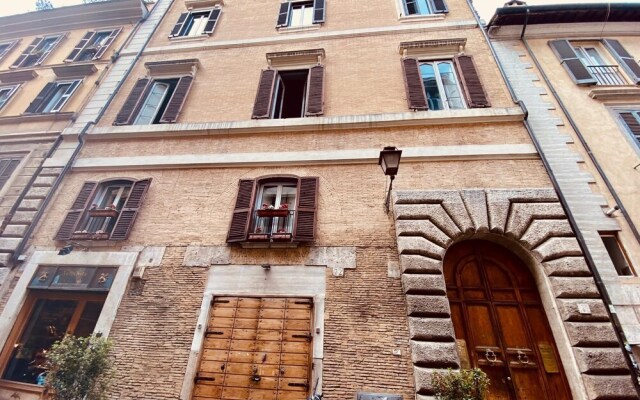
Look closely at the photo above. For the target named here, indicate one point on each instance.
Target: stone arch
(531, 223)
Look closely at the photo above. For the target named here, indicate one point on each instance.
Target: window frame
(92, 45)
(626, 129)
(40, 56)
(170, 89)
(305, 5)
(443, 94)
(62, 100)
(623, 255)
(183, 34)
(11, 165)
(101, 191)
(276, 91)
(11, 44)
(12, 90)
(275, 221)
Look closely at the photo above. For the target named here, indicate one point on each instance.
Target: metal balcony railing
(272, 224)
(607, 74)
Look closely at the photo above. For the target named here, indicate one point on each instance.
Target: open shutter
(632, 123)
(315, 91)
(80, 46)
(305, 230)
(213, 21)
(413, 84)
(319, 12)
(112, 36)
(242, 211)
(130, 210)
(40, 98)
(51, 48)
(6, 169)
(570, 61)
(439, 6)
(129, 106)
(625, 59)
(262, 104)
(9, 46)
(178, 26)
(473, 89)
(77, 209)
(174, 106)
(283, 16)
(26, 53)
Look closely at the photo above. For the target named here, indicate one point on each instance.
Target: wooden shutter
(283, 16)
(126, 112)
(50, 49)
(440, 7)
(213, 21)
(625, 59)
(26, 53)
(77, 210)
(112, 36)
(413, 84)
(570, 61)
(319, 12)
(632, 123)
(315, 91)
(264, 97)
(10, 46)
(6, 169)
(473, 89)
(174, 106)
(128, 214)
(305, 229)
(178, 26)
(36, 104)
(80, 46)
(242, 211)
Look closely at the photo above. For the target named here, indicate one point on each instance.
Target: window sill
(614, 93)
(254, 244)
(35, 117)
(183, 39)
(421, 18)
(90, 236)
(289, 29)
(191, 4)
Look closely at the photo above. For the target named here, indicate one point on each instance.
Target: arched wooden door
(500, 324)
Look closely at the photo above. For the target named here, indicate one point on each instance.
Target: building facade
(224, 221)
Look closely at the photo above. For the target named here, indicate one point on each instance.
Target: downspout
(572, 221)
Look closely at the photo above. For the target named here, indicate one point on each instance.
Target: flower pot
(272, 213)
(103, 212)
(90, 236)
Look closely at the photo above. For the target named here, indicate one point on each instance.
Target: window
(196, 23)
(616, 253)
(6, 47)
(7, 166)
(275, 210)
(424, 7)
(37, 51)
(441, 85)
(156, 101)
(297, 14)
(631, 120)
(600, 69)
(53, 97)
(93, 45)
(5, 94)
(104, 211)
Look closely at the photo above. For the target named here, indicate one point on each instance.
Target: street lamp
(389, 161)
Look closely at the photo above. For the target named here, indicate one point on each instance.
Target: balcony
(271, 226)
(607, 74)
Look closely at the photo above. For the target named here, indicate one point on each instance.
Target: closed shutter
(440, 7)
(37, 103)
(315, 91)
(128, 214)
(305, 230)
(242, 211)
(213, 21)
(283, 16)
(6, 169)
(570, 61)
(174, 106)
(413, 84)
(473, 89)
(79, 47)
(77, 210)
(262, 104)
(8, 47)
(178, 26)
(49, 50)
(26, 53)
(633, 123)
(319, 12)
(107, 43)
(625, 59)
(131, 104)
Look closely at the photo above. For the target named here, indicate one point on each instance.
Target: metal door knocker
(523, 358)
(490, 356)
(255, 377)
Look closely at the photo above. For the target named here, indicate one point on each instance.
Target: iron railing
(272, 224)
(607, 74)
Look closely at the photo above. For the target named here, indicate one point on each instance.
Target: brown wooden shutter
(78, 208)
(242, 211)
(213, 21)
(305, 229)
(570, 61)
(79, 47)
(264, 97)
(10, 47)
(413, 84)
(440, 7)
(128, 214)
(26, 53)
(315, 91)
(319, 12)
(50, 49)
(37, 103)
(174, 106)
(625, 59)
(6, 169)
(131, 104)
(178, 26)
(107, 43)
(473, 89)
(283, 16)
(632, 123)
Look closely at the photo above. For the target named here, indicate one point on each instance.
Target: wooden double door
(256, 349)
(500, 324)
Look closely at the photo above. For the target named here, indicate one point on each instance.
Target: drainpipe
(572, 221)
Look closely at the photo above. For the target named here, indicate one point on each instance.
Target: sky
(485, 7)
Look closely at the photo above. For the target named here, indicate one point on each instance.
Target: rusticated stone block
(591, 334)
(9, 244)
(557, 247)
(523, 214)
(30, 205)
(418, 264)
(476, 203)
(598, 361)
(433, 329)
(434, 354)
(424, 228)
(576, 288)
(567, 266)
(423, 284)
(14, 230)
(432, 212)
(37, 193)
(569, 310)
(423, 378)
(44, 181)
(427, 306)
(4, 259)
(607, 387)
(542, 229)
(23, 217)
(419, 245)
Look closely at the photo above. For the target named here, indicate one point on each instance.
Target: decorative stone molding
(532, 223)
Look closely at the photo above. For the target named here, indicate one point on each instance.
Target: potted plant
(109, 211)
(465, 384)
(270, 211)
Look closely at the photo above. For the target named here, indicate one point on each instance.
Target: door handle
(490, 356)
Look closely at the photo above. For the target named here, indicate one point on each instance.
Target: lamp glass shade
(390, 160)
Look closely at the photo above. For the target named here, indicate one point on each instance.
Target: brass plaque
(548, 358)
(465, 363)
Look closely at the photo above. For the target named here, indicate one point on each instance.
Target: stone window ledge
(292, 29)
(194, 4)
(421, 18)
(614, 93)
(187, 39)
